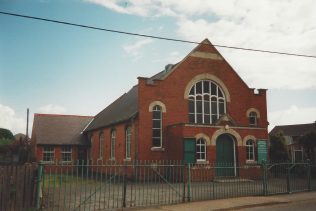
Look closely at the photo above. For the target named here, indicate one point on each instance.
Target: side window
(250, 150)
(253, 119)
(200, 150)
(48, 154)
(113, 143)
(128, 141)
(156, 126)
(101, 145)
(66, 154)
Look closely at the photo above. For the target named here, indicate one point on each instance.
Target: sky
(54, 68)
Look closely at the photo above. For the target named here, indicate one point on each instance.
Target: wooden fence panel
(17, 187)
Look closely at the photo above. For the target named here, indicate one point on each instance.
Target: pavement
(234, 203)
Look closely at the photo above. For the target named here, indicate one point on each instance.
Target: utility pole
(27, 124)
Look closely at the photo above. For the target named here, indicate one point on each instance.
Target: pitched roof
(55, 129)
(126, 106)
(120, 110)
(294, 130)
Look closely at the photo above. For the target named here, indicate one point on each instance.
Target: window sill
(127, 160)
(66, 162)
(47, 162)
(157, 149)
(251, 162)
(202, 162)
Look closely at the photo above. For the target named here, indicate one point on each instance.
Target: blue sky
(53, 68)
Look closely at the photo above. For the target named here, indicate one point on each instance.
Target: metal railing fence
(113, 185)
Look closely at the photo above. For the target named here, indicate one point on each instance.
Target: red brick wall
(170, 91)
(120, 142)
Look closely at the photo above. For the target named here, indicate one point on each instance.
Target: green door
(225, 156)
(189, 150)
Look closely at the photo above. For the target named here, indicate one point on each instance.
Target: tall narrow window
(48, 154)
(206, 102)
(66, 154)
(101, 145)
(250, 150)
(156, 127)
(128, 139)
(253, 118)
(113, 142)
(91, 149)
(200, 150)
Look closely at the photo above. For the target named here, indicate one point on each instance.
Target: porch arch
(228, 131)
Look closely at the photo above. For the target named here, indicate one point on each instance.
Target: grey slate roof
(51, 129)
(294, 130)
(120, 110)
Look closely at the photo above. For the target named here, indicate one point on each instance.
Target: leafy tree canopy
(6, 134)
(278, 150)
(308, 141)
(6, 137)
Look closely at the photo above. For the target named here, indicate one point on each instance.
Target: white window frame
(50, 151)
(250, 149)
(113, 143)
(101, 145)
(157, 108)
(128, 142)
(91, 148)
(212, 98)
(64, 152)
(198, 149)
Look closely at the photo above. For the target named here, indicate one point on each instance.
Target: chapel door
(225, 156)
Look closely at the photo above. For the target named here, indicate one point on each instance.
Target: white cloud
(52, 109)
(292, 115)
(135, 49)
(287, 26)
(9, 120)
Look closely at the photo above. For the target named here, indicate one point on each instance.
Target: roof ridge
(62, 115)
(295, 124)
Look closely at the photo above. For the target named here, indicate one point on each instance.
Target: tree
(6, 138)
(278, 149)
(308, 141)
(6, 134)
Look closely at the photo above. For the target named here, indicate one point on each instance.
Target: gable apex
(204, 50)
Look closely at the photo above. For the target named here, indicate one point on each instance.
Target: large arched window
(206, 102)
(113, 142)
(101, 145)
(157, 126)
(200, 150)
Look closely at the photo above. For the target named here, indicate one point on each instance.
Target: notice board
(262, 147)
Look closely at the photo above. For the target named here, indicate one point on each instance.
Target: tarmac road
(289, 202)
(305, 205)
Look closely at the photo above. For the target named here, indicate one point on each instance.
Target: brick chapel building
(198, 110)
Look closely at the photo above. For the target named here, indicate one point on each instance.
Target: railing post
(183, 178)
(38, 186)
(309, 166)
(288, 177)
(124, 184)
(189, 182)
(264, 179)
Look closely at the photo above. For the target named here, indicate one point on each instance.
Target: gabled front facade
(198, 110)
(59, 138)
